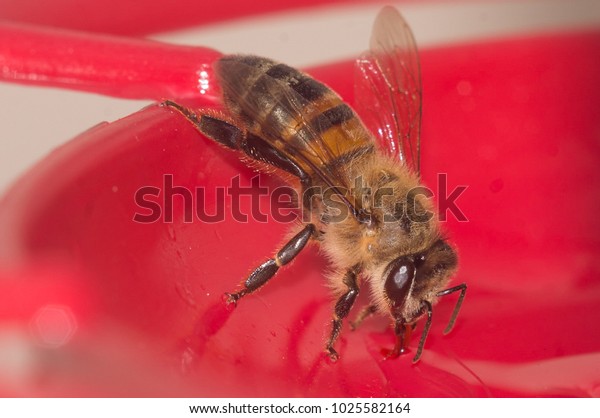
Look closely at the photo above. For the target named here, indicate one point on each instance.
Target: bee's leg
(267, 270)
(463, 289)
(231, 136)
(425, 309)
(403, 331)
(366, 312)
(342, 308)
(193, 117)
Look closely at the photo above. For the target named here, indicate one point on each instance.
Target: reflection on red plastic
(516, 121)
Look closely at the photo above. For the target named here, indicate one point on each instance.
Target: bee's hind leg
(267, 270)
(226, 133)
(341, 311)
(219, 130)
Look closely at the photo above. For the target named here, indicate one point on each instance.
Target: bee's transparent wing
(388, 88)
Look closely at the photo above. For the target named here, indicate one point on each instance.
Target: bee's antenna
(425, 306)
(463, 291)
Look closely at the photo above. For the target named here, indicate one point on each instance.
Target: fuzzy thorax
(401, 217)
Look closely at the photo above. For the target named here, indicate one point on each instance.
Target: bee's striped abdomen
(291, 110)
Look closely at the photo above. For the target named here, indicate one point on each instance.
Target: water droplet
(496, 185)
(464, 88)
(54, 325)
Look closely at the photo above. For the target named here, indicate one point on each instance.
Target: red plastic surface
(139, 306)
(116, 66)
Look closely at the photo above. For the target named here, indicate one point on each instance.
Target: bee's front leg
(403, 331)
(342, 309)
(267, 270)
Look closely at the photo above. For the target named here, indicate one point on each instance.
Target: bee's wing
(388, 88)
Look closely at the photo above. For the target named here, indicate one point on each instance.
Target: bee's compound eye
(399, 281)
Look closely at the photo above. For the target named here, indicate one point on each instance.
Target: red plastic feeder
(94, 303)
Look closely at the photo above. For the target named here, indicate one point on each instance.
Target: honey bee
(359, 180)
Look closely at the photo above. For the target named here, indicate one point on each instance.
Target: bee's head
(412, 283)
(413, 279)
